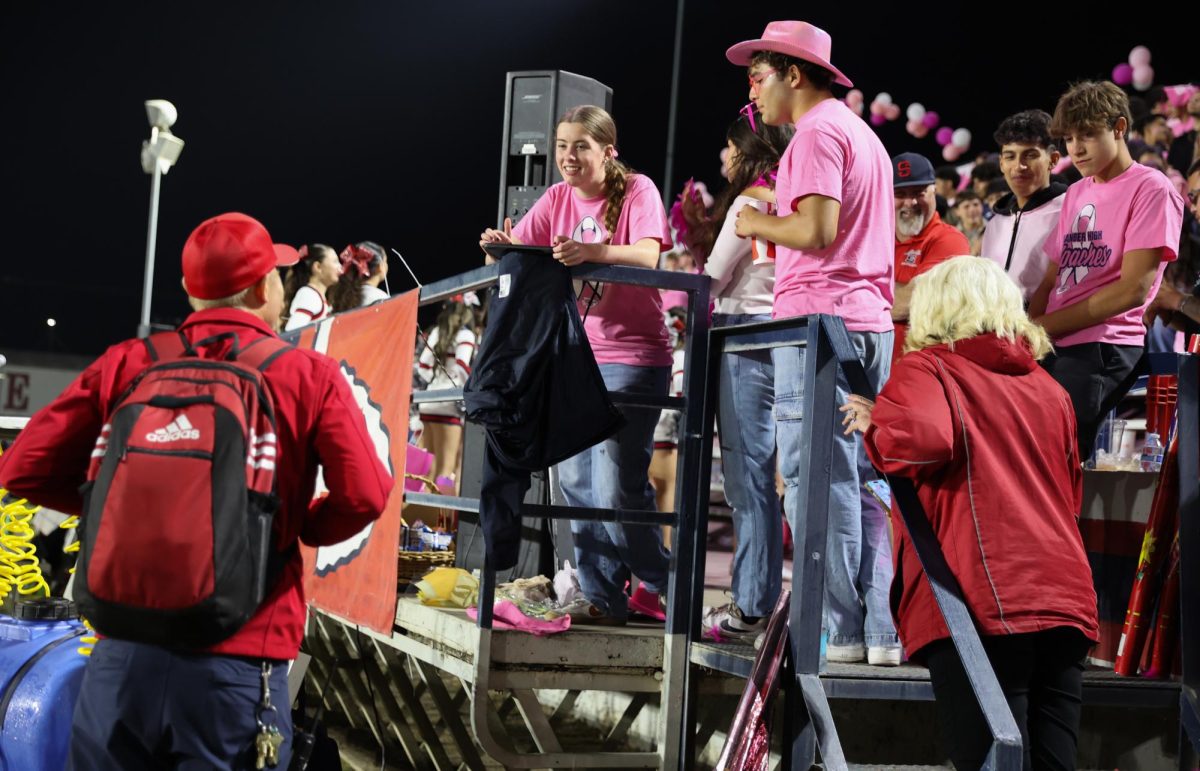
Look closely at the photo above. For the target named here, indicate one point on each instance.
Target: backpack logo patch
(177, 430)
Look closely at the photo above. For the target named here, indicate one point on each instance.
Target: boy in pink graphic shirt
(834, 235)
(1119, 227)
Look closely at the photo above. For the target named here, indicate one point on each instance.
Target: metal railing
(828, 348)
(691, 497)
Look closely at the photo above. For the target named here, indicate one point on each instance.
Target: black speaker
(544, 543)
(532, 103)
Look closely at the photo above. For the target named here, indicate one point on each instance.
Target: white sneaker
(727, 624)
(853, 653)
(879, 656)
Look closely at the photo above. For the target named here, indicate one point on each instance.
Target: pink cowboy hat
(794, 38)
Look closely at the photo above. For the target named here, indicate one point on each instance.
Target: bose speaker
(532, 103)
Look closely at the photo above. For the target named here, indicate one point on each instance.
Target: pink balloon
(857, 108)
(944, 135)
(1143, 77)
(921, 131)
(951, 153)
(878, 109)
(854, 96)
(913, 126)
(1139, 55)
(931, 119)
(878, 119)
(893, 111)
(1122, 74)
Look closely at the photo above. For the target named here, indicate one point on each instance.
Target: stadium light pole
(159, 154)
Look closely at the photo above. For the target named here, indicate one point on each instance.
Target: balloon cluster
(1137, 72)
(954, 142)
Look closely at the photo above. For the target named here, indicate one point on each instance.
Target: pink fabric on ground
(508, 617)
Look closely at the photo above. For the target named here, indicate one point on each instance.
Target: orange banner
(356, 579)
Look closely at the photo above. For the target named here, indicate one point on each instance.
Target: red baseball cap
(227, 254)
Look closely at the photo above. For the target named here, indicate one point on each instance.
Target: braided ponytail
(616, 176)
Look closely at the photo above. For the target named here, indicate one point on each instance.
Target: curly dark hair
(1026, 127)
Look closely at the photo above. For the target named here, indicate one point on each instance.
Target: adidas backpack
(177, 547)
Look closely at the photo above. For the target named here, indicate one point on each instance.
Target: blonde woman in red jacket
(989, 439)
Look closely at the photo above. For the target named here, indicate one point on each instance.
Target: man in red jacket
(923, 239)
(146, 707)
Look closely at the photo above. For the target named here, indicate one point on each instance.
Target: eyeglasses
(756, 80)
(748, 111)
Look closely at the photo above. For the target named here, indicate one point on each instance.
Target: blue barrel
(41, 671)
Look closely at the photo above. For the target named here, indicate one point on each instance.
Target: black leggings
(1041, 675)
(1096, 376)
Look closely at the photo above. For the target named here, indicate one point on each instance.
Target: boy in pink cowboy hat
(834, 234)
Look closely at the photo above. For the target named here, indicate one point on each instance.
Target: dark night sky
(382, 120)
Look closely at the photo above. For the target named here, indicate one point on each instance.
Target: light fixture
(159, 154)
(51, 322)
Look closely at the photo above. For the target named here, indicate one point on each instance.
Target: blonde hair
(600, 126)
(967, 296)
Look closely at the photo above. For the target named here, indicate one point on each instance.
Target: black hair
(758, 152)
(300, 273)
(966, 195)
(1027, 127)
(998, 185)
(948, 173)
(985, 172)
(821, 78)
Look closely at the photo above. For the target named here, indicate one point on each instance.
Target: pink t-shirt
(835, 154)
(625, 326)
(1099, 224)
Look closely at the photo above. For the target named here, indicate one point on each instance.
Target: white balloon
(916, 111)
(1143, 77)
(961, 138)
(884, 98)
(1139, 55)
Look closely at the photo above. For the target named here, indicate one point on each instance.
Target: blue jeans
(615, 475)
(858, 564)
(746, 421)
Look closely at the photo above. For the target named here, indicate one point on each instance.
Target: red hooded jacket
(989, 439)
(317, 420)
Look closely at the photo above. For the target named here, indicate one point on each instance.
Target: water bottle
(1152, 453)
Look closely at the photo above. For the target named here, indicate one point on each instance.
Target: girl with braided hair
(603, 212)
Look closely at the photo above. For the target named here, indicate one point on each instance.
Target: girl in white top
(307, 284)
(364, 268)
(743, 284)
(445, 363)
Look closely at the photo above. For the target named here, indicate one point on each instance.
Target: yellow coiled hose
(19, 564)
(89, 640)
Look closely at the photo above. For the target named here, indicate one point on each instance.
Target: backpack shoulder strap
(165, 346)
(263, 352)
